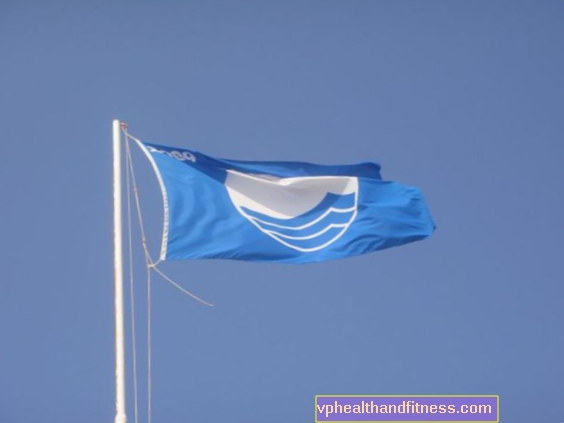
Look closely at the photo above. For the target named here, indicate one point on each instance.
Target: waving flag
(290, 212)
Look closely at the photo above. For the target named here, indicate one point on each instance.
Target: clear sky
(462, 99)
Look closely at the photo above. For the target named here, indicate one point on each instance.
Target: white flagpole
(118, 279)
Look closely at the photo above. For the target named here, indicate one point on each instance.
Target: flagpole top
(121, 124)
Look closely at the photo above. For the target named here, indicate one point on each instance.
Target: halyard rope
(131, 290)
(131, 184)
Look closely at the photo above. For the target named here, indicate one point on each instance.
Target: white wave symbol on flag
(303, 213)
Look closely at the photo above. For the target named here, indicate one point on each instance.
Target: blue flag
(290, 212)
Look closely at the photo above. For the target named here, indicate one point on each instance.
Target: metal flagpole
(118, 279)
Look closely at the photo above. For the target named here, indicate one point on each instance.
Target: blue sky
(462, 99)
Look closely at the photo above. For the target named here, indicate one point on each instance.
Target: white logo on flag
(183, 156)
(303, 213)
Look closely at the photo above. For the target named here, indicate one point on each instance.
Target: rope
(131, 182)
(150, 263)
(131, 290)
(149, 348)
(156, 269)
(138, 206)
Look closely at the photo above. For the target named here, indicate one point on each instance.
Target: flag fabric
(290, 212)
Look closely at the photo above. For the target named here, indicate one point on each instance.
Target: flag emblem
(303, 213)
